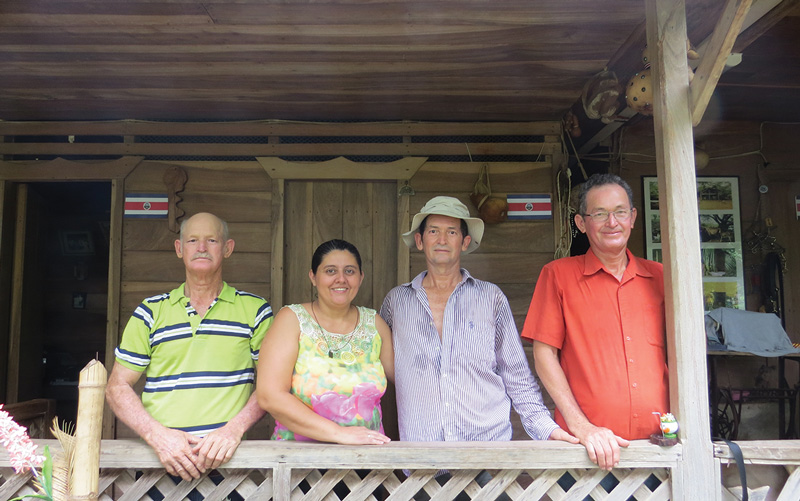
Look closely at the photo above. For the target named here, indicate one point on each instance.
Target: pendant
(330, 354)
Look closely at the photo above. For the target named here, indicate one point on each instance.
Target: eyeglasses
(619, 215)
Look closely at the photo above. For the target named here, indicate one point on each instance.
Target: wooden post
(17, 275)
(686, 340)
(116, 214)
(85, 468)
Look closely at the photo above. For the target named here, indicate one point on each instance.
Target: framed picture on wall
(76, 243)
(720, 238)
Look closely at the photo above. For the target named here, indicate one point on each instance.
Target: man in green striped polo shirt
(199, 345)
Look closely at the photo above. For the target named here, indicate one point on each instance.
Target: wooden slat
(403, 225)
(715, 56)
(358, 203)
(299, 243)
(17, 275)
(65, 170)
(266, 150)
(518, 236)
(763, 24)
(791, 489)
(386, 237)
(208, 176)
(278, 238)
(341, 168)
(276, 128)
(526, 454)
(460, 177)
(114, 291)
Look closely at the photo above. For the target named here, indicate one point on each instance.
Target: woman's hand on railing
(360, 435)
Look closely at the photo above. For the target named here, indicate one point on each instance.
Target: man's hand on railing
(174, 449)
(217, 447)
(601, 445)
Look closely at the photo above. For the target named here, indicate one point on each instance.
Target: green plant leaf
(47, 473)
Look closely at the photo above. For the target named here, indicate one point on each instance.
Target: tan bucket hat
(447, 206)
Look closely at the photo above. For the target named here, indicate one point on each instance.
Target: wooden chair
(36, 415)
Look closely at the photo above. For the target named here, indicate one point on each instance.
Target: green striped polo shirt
(200, 371)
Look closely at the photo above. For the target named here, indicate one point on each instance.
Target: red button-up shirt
(611, 335)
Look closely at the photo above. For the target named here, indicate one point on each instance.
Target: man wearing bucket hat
(459, 363)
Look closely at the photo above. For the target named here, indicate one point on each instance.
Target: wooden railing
(263, 470)
(772, 462)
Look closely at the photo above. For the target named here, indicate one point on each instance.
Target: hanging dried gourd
(490, 209)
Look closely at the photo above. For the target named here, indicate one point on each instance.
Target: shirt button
(444, 374)
(447, 404)
(627, 338)
(630, 360)
(635, 415)
(634, 385)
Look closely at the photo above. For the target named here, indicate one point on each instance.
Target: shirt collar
(227, 294)
(417, 282)
(592, 265)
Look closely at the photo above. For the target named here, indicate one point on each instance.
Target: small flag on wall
(531, 206)
(146, 205)
(797, 205)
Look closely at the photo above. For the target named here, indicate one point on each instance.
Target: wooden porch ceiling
(337, 60)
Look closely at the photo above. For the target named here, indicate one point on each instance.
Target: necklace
(326, 336)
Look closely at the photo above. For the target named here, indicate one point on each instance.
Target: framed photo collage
(720, 238)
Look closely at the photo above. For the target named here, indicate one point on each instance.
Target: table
(726, 403)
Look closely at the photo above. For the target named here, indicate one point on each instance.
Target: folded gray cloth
(729, 329)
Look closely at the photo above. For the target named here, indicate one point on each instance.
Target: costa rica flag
(530, 206)
(146, 205)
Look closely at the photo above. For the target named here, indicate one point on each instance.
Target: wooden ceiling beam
(713, 60)
(276, 128)
(628, 57)
(763, 24)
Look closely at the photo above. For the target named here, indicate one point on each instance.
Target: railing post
(85, 468)
(281, 482)
(686, 341)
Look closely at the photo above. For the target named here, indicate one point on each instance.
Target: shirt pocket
(478, 338)
(654, 325)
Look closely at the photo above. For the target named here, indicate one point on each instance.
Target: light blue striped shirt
(461, 387)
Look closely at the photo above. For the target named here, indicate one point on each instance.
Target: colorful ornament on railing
(669, 425)
(669, 430)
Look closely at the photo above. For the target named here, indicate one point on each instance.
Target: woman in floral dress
(323, 365)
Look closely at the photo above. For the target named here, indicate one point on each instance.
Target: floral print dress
(339, 376)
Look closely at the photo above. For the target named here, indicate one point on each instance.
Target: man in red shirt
(598, 329)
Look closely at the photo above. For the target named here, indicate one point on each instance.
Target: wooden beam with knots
(716, 54)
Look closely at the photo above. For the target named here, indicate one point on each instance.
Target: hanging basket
(491, 209)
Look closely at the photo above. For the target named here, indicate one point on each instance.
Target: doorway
(59, 290)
